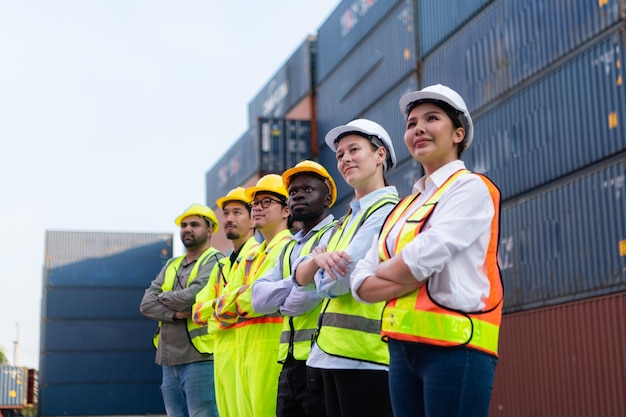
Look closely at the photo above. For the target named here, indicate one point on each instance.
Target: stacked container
(281, 132)
(97, 356)
(544, 83)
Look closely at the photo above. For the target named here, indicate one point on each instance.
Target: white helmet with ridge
(447, 95)
(315, 168)
(364, 127)
(270, 183)
(198, 210)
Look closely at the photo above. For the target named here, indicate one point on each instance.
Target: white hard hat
(365, 127)
(443, 93)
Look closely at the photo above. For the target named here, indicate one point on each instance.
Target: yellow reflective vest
(197, 333)
(415, 317)
(348, 328)
(297, 335)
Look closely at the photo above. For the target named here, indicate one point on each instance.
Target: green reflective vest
(200, 336)
(297, 335)
(348, 328)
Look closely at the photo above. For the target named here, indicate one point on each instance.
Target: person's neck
(309, 224)
(239, 242)
(270, 233)
(194, 252)
(367, 188)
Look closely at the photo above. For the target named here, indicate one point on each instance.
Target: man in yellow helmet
(187, 385)
(238, 227)
(258, 334)
(312, 192)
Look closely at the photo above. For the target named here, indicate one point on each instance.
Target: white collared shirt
(450, 251)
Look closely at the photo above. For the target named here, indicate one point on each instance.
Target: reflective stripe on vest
(348, 328)
(255, 266)
(297, 335)
(198, 334)
(415, 317)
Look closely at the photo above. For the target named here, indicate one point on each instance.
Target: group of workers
(393, 309)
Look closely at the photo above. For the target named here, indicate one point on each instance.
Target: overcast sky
(112, 111)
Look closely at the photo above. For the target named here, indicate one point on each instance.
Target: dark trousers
(430, 380)
(297, 398)
(356, 393)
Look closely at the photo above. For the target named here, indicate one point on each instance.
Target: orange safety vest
(415, 317)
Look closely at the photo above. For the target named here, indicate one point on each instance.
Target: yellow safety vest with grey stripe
(297, 335)
(198, 334)
(348, 328)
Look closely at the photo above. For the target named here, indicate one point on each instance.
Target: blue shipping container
(13, 386)
(283, 143)
(573, 117)
(97, 335)
(437, 19)
(375, 66)
(101, 400)
(131, 268)
(291, 83)
(567, 241)
(238, 164)
(93, 303)
(344, 29)
(98, 367)
(510, 41)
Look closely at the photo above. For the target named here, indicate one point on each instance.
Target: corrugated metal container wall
(567, 241)
(346, 26)
(510, 41)
(13, 386)
(93, 339)
(375, 66)
(566, 360)
(283, 143)
(387, 113)
(571, 118)
(291, 83)
(119, 269)
(238, 164)
(102, 400)
(117, 366)
(405, 175)
(64, 247)
(438, 19)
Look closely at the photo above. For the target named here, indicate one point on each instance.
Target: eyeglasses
(265, 203)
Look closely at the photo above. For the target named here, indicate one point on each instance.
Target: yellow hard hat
(315, 168)
(270, 183)
(198, 210)
(236, 194)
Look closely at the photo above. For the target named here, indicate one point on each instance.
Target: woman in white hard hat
(435, 263)
(348, 352)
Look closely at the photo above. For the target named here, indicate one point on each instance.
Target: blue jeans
(432, 381)
(188, 390)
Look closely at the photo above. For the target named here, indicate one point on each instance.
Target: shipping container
(102, 400)
(282, 143)
(240, 162)
(291, 83)
(511, 41)
(13, 387)
(567, 240)
(438, 20)
(96, 348)
(571, 118)
(345, 28)
(404, 176)
(374, 67)
(384, 111)
(565, 360)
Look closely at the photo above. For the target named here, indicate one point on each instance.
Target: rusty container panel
(565, 360)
